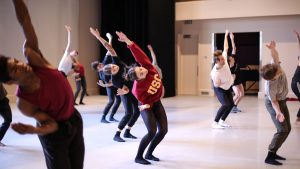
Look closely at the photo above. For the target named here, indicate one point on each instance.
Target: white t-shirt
(223, 74)
(65, 64)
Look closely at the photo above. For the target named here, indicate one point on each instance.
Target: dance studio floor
(189, 144)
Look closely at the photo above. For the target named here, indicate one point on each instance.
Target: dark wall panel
(145, 22)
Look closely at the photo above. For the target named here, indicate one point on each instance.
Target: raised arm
(136, 51)
(298, 38)
(154, 61)
(31, 48)
(274, 53)
(107, 46)
(226, 42)
(68, 28)
(232, 43)
(124, 38)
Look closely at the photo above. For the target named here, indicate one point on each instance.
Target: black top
(118, 79)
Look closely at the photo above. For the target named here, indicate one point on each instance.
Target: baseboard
(206, 92)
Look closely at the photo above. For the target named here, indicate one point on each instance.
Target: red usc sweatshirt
(148, 90)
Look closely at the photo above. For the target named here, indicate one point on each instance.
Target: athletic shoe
(215, 125)
(223, 124)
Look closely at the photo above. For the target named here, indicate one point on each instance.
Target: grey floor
(189, 144)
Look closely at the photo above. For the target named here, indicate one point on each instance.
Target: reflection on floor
(189, 144)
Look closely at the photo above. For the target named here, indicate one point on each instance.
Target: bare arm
(31, 48)
(154, 61)
(107, 46)
(274, 53)
(226, 42)
(232, 43)
(46, 124)
(298, 38)
(68, 28)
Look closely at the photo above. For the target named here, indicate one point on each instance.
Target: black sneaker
(151, 157)
(278, 157)
(118, 138)
(127, 134)
(113, 119)
(142, 161)
(82, 103)
(103, 120)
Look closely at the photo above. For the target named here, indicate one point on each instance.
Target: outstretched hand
(95, 32)
(122, 36)
(122, 91)
(150, 47)
(68, 28)
(23, 128)
(271, 45)
(100, 83)
(226, 32)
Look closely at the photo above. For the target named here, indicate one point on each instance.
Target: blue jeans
(113, 101)
(226, 99)
(283, 129)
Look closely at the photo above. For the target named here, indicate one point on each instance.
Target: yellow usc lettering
(155, 84)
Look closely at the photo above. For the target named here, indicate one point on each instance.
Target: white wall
(214, 9)
(49, 18)
(278, 28)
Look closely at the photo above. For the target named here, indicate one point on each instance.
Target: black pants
(132, 111)
(79, 84)
(295, 85)
(64, 149)
(5, 112)
(113, 101)
(226, 99)
(156, 122)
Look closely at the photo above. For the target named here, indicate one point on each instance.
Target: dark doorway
(247, 56)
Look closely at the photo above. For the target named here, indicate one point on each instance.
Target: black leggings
(113, 101)
(226, 99)
(5, 112)
(154, 119)
(295, 85)
(79, 84)
(132, 111)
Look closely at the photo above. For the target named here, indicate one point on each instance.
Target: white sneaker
(217, 126)
(223, 124)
